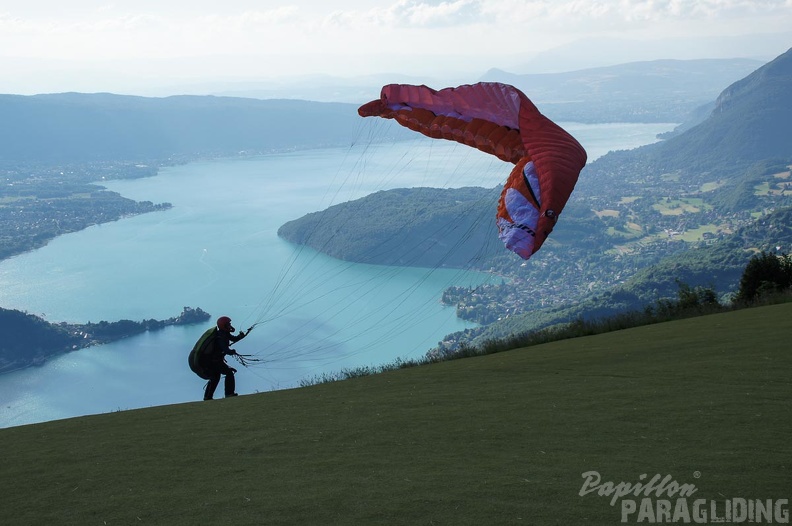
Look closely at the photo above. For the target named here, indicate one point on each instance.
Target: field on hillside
(503, 439)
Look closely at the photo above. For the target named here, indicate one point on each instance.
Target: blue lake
(217, 249)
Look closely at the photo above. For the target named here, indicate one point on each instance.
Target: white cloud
(351, 37)
(632, 10)
(109, 33)
(253, 19)
(207, 23)
(567, 18)
(410, 13)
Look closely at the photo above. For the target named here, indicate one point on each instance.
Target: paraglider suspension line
(246, 359)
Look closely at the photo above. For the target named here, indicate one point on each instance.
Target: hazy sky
(208, 39)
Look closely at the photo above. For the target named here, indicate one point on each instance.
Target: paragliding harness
(203, 349)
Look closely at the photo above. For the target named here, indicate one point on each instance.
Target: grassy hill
(500, 439)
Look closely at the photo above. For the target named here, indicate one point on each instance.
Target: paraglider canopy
(500, 120)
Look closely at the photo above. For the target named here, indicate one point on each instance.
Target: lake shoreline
(82, 336)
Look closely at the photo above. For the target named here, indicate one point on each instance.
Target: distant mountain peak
(750, 122)
(776, 71)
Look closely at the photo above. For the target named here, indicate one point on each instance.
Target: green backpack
(202, 348)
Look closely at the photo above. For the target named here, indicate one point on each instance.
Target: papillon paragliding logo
(500, 120)
(661, 499)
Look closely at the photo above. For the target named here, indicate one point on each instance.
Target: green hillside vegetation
(434, 228)
(498, 439)
(718, 266)
(427, 227)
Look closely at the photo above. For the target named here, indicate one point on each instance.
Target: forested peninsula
(36, 340)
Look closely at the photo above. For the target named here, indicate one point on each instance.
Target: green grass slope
(500, 439)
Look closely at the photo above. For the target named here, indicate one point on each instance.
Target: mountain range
(78, 127)
(751, 121)
(648, 91)
(660, 90)
(83, 127)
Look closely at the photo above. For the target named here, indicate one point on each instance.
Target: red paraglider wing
(483, 116)
(497, 119)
